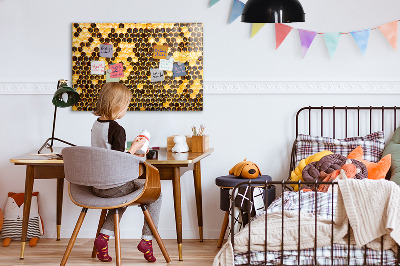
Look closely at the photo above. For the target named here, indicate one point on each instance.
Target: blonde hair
(112, 98)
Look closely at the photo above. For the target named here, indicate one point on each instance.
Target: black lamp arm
(61, 88)
(51, 147)
(46, 143)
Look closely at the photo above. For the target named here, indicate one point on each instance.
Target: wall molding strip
(246, 87)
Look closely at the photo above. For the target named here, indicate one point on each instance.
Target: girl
(112, 104)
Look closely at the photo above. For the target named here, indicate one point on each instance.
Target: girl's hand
(137, 144)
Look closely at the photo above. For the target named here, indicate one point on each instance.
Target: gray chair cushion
(99, 167)
(84, 196)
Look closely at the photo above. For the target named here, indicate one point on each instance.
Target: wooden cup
(200, 143)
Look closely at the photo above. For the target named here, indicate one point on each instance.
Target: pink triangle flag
(306, 39)
(281, 31)
(389, 30)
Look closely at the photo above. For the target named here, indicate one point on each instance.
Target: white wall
(35, 46)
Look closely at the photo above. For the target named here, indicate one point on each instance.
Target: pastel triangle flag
(213, 2)
(255, 28)
(237, 9)
(306, 39)
(281, 31)
(361, 37)
(332, 41)
(389, 30)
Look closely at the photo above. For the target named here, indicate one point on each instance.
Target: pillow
(12, 224)
(375, 170)
(296, 174)
(393, 148)
(327, 165)
(372, 144)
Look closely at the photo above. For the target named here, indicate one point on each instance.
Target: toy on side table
(13, 215)
(180, 144)
(245, 169)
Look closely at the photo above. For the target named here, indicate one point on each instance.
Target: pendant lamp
(63, 97)
(273, 11)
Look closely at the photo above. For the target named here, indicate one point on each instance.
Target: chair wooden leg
(117, 239)
(73, 237)
(154, 230)
(223, 229)
(101, 222)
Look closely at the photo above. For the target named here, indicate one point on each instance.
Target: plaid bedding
(372, 145)
(306, 202)
(322, 207)
(324, 257)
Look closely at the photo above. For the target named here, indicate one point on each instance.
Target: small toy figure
(180, 144)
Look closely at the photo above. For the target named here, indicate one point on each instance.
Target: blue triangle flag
(332, 41)
(212, 2)
(361, 37)
(237, 9)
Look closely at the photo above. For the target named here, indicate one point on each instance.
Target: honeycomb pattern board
(133, 45)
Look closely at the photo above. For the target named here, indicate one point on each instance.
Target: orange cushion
(375, 170)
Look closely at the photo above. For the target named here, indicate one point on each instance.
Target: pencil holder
(200, 143)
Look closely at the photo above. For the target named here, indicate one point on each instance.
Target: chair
(85, 167)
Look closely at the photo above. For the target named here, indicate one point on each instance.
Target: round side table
(228, 182)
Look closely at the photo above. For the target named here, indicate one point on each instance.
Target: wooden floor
(50, 252)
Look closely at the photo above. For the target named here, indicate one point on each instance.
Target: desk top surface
(164, 157)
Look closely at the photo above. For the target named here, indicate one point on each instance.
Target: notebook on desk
(53, 155)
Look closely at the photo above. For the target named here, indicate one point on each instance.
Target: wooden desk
(40, 167)
(171, 167)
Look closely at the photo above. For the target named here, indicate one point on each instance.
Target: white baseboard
(246, 87)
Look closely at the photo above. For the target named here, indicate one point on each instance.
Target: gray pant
(154, 208)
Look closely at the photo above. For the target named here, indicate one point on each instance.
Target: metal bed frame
(284, 184)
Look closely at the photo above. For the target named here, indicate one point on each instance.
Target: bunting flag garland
(361, 37)
(281, 31)
(256, 27)
(389, 30)
(306, 39)
(332, 41)
(213, 2)
(237, 8)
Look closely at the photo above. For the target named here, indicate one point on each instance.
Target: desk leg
(27, 206)
(199, 204)
(176, 182)
(60, 190)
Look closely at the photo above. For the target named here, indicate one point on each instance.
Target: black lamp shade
(273, 11)
(60, 101)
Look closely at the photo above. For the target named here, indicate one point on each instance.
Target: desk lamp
(273, 11)
(64, 97)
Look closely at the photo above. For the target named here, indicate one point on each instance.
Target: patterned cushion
(372, 144)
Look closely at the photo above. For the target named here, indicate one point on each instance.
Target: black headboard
(344, 121)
